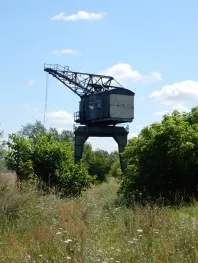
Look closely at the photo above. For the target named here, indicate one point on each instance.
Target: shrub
(50, 161)
(115, 170)
(162, 160)
(99, 162)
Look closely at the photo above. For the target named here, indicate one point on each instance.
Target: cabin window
(91, 105)
(99, 103)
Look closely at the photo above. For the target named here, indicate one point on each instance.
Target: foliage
(115, 170)
(50, 161)
(162, 160)
(19, 157)
(64, 135)
(99, 162)
(31, 130)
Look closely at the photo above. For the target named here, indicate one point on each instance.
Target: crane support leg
(82, 133)
(122, 142)
(80, 139)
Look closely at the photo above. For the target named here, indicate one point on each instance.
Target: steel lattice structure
(81, 83)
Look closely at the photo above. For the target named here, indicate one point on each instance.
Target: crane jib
(82, 83)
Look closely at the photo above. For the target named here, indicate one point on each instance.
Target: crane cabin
(107, 108)
(103, 101)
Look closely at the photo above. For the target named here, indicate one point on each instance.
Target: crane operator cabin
(101, 102)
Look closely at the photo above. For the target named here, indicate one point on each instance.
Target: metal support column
(79, 143)
(122, 142)
(82, 133)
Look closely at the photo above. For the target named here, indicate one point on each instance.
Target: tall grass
(94, 229)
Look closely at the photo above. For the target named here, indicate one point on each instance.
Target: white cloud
(181, 108)
(160, 113)
(132, 135)
(140, 127)
(80, 15)
(124, 71)
(31, 83)
(60, 130)
(64, 52)
(176, 93)
(60, 117)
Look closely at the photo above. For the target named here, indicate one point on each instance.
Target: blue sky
(149, 46)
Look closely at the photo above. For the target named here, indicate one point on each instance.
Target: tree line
(162, 161)
(36, 153)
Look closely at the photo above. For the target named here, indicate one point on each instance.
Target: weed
(93, 228)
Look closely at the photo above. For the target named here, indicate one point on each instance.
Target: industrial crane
(103, 104)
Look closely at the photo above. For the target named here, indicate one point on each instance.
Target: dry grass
(7, 180)
(94, 229)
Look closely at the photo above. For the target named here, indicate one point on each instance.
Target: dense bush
(163, 159)
(99, 162)
(50, 161)
(47, 156)
(115, 170)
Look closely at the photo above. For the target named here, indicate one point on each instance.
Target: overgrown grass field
(92, 228)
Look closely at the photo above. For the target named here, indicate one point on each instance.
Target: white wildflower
(27, 257)
(67, 241)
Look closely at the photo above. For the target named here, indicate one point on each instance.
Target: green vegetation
(52, 210)
(162, 162)
(50, 161)
(46, 156)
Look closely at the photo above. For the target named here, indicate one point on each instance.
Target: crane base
(82, 133)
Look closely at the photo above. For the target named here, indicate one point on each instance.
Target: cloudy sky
(151, 47)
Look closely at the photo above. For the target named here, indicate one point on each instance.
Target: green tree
(67, 135)
(30, 130)
(98, 162)
(163, 159)
(50, 161)
(64, 135)
(19, 157)
(115, 170)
